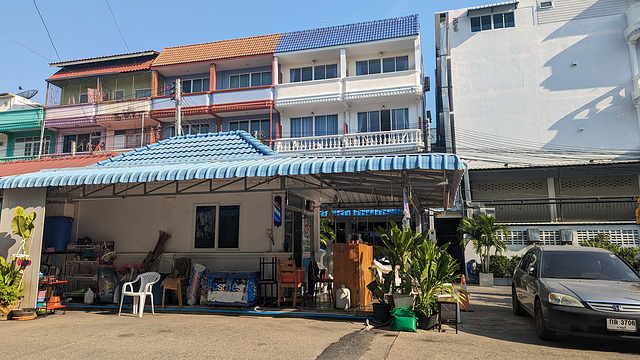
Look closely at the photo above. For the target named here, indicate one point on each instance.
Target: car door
(528, 282)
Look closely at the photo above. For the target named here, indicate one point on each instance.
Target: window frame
(478, 24)
(34, 145)
(263, 122)
(95, 138)
(312, 71)
(313, 124)
(183, 82)
(380, 63)
(217, 225)
(261, 75)
(135, 93)
(393, 120)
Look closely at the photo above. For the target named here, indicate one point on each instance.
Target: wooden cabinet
(351, 264)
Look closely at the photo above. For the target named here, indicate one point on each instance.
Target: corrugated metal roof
(101, 69)
(349, 34)
(105, 58)
(29, 166)
(194, 149)
(493, 5)
(256, 167)
(257, 45)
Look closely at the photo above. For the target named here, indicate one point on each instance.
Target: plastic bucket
(57, 231)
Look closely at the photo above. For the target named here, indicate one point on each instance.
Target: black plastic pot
(381, 312)
(427, 323)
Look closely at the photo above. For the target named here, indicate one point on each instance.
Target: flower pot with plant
(398, 243)
(433, 270)
(379, 289)
(483, 233)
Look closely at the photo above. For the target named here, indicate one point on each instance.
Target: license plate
(621, 325)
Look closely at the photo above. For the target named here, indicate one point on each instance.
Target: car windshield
(585, 265)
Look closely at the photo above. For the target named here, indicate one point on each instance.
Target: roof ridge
(221, 41)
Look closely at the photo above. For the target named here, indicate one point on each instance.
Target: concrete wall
(32, 200)
(563, 85)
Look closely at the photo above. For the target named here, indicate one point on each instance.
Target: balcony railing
(63, 112)
(123, 106)
(382, 141)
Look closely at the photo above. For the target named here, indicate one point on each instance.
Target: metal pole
(178, 105)
(142, 139)
(41, 139)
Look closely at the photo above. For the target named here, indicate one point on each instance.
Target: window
(83, 142)
(319, 126)
(129, 139)
(217, 227)
(195, 85)
(191, 129)
(30, 146)
(250, 80)
(495, 21)
(317, 72)
(84, 98)
(256, 128)
(115, 95)
(390, 64)
(383, 120)
(143, 93)
(545, 4)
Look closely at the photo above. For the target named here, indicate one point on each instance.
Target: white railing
(124, 106)
(342, 143)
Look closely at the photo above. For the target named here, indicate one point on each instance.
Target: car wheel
(541, 329)
(517, 308)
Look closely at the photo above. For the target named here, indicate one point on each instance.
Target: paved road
(491, 331)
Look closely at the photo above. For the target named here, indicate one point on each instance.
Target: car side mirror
(531, 271)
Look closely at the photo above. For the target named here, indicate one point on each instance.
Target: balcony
(636, 89)
(308, 92)
(386, 84)
(63, 115)
(633, 21)
(212, 102)
(123, 106)
(353, 144)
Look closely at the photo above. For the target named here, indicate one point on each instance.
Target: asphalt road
(491, 331)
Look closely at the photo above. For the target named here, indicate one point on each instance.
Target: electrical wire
(47, 29)
(118, 26)
(26, 47)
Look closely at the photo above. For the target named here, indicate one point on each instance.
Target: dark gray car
(577, 291)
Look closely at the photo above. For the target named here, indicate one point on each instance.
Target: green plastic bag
(403, 320)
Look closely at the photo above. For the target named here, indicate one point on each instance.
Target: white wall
(518, 89)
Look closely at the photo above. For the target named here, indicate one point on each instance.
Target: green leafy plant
(482, 232)
(10, 283)
(327, 232)
(380, 288)
(433, 271)
(397, 246)
(629, 254)
(503, 266)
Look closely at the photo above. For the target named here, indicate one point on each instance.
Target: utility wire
(45, 27)
(24, 46)
(118, 26)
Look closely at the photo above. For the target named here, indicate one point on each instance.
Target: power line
(118, 26)
(24, 46)
(45, 27)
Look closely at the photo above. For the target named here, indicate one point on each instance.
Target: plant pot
(427, 323)
(381, 312)
(403, 301)
(486, 279)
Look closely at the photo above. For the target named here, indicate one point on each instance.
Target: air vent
(545, 4)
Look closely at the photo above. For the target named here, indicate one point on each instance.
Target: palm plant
(482, 232)
(433, 270)
(398, 245)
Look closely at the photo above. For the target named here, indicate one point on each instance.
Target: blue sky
(84, 29)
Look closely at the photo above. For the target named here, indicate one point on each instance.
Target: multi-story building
(101, 103)
(540, 99)
(21, 127)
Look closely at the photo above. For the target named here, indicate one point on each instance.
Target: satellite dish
(27, 94)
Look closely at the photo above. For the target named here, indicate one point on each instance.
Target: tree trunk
(486, 264)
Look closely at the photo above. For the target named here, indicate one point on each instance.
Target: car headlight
(565, 300)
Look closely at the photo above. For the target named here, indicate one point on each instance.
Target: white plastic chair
(146, 284)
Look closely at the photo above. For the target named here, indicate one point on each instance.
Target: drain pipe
(469, 204)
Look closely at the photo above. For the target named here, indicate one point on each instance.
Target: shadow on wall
(581, 131)
(6, 242)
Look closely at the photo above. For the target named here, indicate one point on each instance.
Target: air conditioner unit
(566, 236)
(533, 236)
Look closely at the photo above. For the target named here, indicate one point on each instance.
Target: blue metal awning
(239, 168)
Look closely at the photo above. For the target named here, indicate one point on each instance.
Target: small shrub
(629, 254)
(503, 266)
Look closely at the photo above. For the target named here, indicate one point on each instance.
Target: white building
(538, 97)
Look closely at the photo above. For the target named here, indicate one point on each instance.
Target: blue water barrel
(57, 231)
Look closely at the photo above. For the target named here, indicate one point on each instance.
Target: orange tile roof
(72, 72)
(29, 166)
(257, 45)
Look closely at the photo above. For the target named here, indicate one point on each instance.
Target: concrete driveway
(491, 331)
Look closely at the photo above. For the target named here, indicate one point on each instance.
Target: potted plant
(381, 309)
(398, 245)
(482, 232)
(433, 270)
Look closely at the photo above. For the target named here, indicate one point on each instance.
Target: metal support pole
(178, 106)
